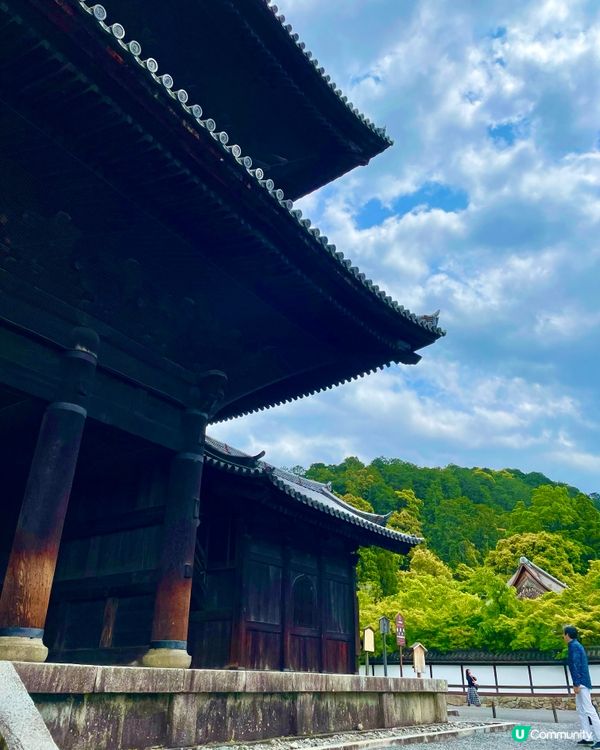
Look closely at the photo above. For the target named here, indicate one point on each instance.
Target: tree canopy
(477, 523)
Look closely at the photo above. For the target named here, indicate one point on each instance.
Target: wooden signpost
(368, 646)
(419, 652)
(384, 629)
(400, 636)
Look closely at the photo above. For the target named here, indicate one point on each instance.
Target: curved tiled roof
(323, 499)
(232, 460)
(306, 491)
(320, 71)
(199, 119)
(328, 497)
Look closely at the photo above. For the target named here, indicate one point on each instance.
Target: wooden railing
(539, 690)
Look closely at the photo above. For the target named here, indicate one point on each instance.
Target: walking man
(582, 685)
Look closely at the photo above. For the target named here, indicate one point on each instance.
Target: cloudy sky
(488, 207)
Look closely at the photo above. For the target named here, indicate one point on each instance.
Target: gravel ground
(371, 738)
(306, 743)
(504, 740)
(546, 734)
(518, 715)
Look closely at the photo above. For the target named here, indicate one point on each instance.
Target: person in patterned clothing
(472, 695)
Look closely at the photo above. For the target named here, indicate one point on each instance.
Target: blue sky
(488, 207)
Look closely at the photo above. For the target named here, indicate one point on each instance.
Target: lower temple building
(273, 569)
(155, 278)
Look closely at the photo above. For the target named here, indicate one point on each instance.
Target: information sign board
(400, 630)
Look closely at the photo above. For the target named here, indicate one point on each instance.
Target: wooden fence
(541, 676)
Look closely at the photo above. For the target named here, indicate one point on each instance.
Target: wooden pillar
(322, 608)
(168, 647)
(30, 572)
(237, 650)
(354, 655)
(286, 606)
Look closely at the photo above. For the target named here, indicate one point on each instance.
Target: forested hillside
(476, 524)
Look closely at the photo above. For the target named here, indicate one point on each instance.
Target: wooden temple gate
(154, 279)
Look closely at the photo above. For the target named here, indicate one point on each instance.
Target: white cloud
(571, 324)
(498, 99)
(580, 460)
(443, 403)
(471, 408)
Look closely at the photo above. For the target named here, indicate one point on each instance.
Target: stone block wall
(132, 708)
(562, 702)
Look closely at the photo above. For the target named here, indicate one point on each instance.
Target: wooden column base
(169, 658)
(21, 648)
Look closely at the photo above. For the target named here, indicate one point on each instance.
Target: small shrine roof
(546, 580)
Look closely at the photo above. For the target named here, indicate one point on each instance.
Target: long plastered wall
(126, 708)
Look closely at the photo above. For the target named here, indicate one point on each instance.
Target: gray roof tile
(322, 73)
(307, 491)
(195, 112)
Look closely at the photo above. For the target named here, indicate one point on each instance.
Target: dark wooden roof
(312, 499)
(120, 199)
(244, 64)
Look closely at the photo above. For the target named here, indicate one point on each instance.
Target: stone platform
(133, 708)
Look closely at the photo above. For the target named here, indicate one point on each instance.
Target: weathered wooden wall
(278, 593)
(103, 594)
(270, 591)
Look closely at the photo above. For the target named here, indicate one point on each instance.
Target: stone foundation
(132, 708)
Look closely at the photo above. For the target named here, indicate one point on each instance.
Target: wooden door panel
(339, 611)
(263, 593)
(262, 649)
(337, 656)
(210, 643)
(305, 653)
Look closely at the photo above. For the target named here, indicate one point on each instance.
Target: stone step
(21, 725)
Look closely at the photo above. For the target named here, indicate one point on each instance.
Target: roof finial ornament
(433, 318)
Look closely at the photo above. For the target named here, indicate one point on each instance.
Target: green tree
(425, 562)
(357, 502)
(556, 510)
(462, 531)
(477, 523)
(377, 572)
(408, 517)
(541, 620)
(500, 608)
(552, 552)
